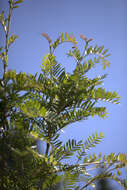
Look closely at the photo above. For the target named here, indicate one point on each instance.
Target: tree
(36, 107)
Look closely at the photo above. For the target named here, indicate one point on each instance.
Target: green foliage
(67, 37)
(38, 107)
(12, 39)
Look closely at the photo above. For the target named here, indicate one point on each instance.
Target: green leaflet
(48, 62)
(17, 2)
(67, 37)
(101, 94)
(12, 39)
(33, 109)
(1, 17)
(90, 142)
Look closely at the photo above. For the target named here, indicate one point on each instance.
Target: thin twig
(7, 35)
(86, 185)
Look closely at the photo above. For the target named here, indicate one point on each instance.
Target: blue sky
(102, 20)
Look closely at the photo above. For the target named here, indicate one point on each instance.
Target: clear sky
(102, 20)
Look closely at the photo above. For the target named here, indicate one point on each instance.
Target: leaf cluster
(39, 107)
